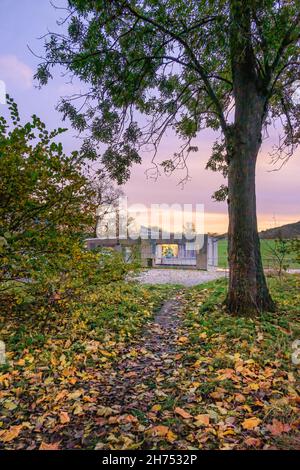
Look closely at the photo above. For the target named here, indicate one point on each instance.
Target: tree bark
(248, 292)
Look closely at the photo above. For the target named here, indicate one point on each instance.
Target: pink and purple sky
(278, 192)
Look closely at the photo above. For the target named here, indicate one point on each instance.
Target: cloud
(13, 71)
(2, 92)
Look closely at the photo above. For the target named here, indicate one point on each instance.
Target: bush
(47, 206)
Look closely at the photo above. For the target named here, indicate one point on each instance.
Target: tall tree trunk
(248, 292)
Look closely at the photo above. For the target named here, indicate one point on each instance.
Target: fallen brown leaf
(277, 427)
(202, 420)
(10, 434)
(253, 442)
(64, 417)
(45, 446)
(184, 414)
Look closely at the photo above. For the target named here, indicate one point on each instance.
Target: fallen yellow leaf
(251, 423)
(240, 398)
(10, 405)
(156, 408)
(183, 339)
(77, 410)
(75, 395)
(171, 437)
(229, 432)
(105, 411)
(105, 353)
(162, 431)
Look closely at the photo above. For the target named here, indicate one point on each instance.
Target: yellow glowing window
(169, 251)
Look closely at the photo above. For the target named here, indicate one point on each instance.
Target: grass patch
(243, 368)
(268, 258)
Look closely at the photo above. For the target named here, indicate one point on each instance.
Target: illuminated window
(169, 251)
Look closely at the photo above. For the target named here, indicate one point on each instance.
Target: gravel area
(185, 277)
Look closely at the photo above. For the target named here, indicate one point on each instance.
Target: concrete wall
(201, 257)
(212, 252)
(147, 257)
(205, 258)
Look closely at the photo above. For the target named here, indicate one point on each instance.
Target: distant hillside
(285, 231)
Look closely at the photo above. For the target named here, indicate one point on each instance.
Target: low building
(162, 251)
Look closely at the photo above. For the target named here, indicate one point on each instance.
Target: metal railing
(177, 261)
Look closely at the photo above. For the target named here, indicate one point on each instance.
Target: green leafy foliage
(175, 63)
(47, 207)
(295, 249)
